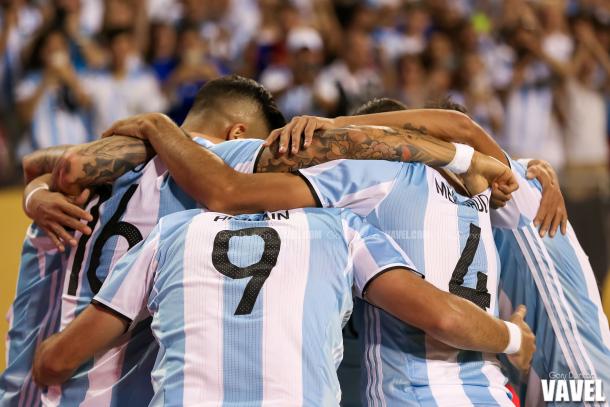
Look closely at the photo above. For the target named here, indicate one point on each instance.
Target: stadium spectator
(532, 127)
(194, 69)
(51, 99)
(350, 80)
(414, 51)
(411, 75)
(18, 24)
(293, 82)
(162, 57)
(126, 87)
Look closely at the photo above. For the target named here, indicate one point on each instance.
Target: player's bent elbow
(467, 127)
(442, 325)
(223, 198)
(235, 196)
(29, 168)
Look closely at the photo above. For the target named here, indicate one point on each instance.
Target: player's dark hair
(446, 104)
(379, 105)
(382, 105)
(235, 87)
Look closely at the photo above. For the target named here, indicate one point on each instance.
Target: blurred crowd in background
(535, 74)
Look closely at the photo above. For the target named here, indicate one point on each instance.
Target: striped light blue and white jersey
(248, 310)
(34, 315)
(553, 278)
(123, 215)
(449, 239)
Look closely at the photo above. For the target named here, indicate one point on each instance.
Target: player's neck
(201, 132)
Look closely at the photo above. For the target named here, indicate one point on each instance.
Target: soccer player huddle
(216, 263)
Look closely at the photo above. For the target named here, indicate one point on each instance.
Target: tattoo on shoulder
(360, 143)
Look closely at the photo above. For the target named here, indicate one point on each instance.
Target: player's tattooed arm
(385, 143)
(361, 143)
(443, 124)
(41, 162)
(98, 162)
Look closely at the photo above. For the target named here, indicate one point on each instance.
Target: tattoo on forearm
(43, 161)
(107, 159)
(412, 127)
(361, 143)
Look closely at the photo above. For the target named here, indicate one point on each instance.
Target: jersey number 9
(259, 271)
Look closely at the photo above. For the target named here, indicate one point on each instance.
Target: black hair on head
(233, 88)
(379, 105)
(446, 104)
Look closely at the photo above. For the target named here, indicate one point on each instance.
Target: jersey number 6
(258, 271)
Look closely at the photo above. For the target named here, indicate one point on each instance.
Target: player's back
(449, 239)
(249, 309)
(554, 279)
(124, 214)
(34, 315)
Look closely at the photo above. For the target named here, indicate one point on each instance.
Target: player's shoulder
(236, 151)
(171, 224)
(345, 218)
(238, 144)
(367, 172)
(339, 213)
(141, 173)
(203, 142)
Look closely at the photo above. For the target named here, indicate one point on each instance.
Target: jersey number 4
(259, 271)
(480, 296)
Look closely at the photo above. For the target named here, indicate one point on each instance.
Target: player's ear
(237, 130)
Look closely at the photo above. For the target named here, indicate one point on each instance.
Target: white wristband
(514, 338)
(27, 198)
(462, 159)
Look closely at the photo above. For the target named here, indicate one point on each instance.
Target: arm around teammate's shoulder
(98, 162)
(448, 318)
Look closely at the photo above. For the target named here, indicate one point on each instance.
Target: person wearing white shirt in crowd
(531, 126)
(293, 82)
(51, 99)
(126, 88)
(18, 22)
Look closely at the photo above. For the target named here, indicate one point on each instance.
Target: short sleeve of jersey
(126, 288)
(359, 185)
(371, 251)
(523, 206)
(239, 154)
